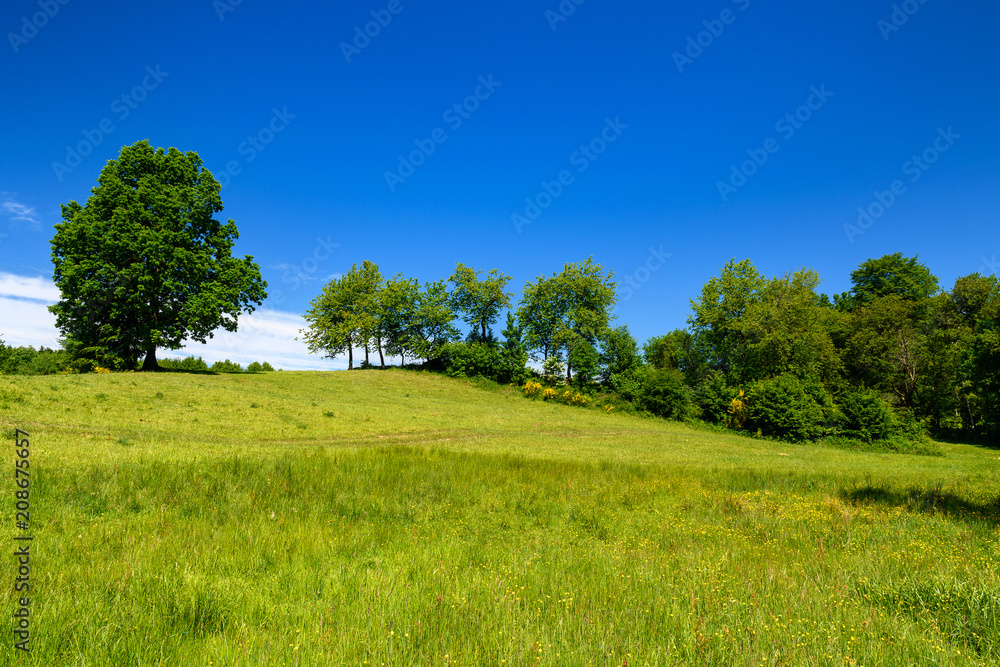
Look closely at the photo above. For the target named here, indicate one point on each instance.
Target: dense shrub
(866, 416)
(627, 385)
(713, 397)
(584, 362)
(255, 367)
(471, 360)
(226, 367)
(29, 361)
(787, 408)
(184, 364)
(266, 367)
(664, 393)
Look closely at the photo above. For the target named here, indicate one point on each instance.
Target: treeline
(26, 360)
(893, 357)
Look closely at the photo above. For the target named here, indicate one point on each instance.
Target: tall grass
(392, 518)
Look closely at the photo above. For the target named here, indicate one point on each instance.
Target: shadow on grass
(929, 500)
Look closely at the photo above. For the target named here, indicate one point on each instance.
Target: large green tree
(890, 275)
(344, 315)
(538, 316)
(584, 296)
(716, 319)
(479, 297)
(144, 264)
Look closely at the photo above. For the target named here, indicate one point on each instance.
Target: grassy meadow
(403, 518)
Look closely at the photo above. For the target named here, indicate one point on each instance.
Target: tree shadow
(925, 500)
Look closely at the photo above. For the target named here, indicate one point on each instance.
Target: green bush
(786, 408)
(184, 364)
(713, 398)
(664, 393)
(866, 416)
(627, 385)
(226, 367)
(471, 360)
(267, 368)
(29, 361)
(255, 367)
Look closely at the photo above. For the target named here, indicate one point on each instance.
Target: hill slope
(404, 518)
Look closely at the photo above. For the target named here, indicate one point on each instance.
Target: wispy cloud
(18, 211)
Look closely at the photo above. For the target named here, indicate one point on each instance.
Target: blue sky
(643, 109)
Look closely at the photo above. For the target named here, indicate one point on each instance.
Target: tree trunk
(484, 331)
(569, 372)
(366, 354)
(149, 364)
(381, 357)
(350, 357)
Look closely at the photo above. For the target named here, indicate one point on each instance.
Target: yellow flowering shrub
(532, 389)
(737, 412)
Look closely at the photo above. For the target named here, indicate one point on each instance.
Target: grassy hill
(398, 518)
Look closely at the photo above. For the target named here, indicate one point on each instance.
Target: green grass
(402, 518)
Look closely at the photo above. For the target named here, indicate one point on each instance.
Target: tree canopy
(144, 264)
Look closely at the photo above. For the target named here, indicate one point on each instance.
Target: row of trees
(567, 314)
(892, 354)
(895, 338)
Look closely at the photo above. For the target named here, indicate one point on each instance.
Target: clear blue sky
(323, 175)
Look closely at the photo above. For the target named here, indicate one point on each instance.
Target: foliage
(344, 315)
(664, 394)
(619, 354)
(185, 364)
(433, 321)
(255, 367)
(461, 359)
(552, 371)
(267, 368)
(584, 357)
(29, 361)
(713, 398)
(786, 408)
(143, 264)
(513, 354)
(676, 349)
(718, 313)
(866, 416)
(226, 367)
(479, 300)
(891, 275)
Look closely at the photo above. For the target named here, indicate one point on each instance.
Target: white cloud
(17, 211)
(21, 287)
(265, 335)
(27, 323)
